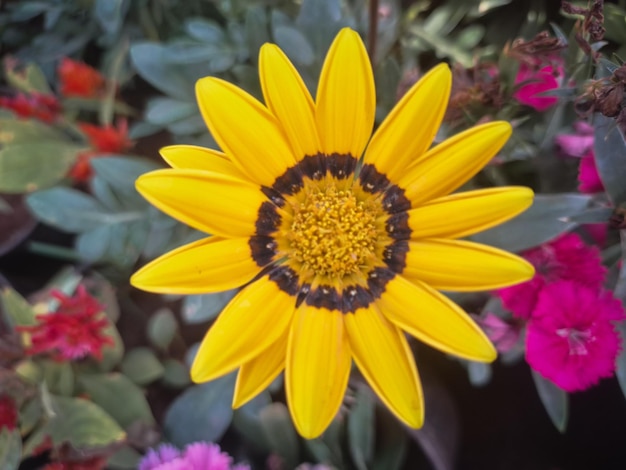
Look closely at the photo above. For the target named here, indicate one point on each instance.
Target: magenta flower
(533, 82)
(196, 456)
(565, 258)
(589, 181)
(571, 339)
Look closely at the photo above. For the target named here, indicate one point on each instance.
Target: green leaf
(204, 307)
(280, 433)
(59, 377)
(30, 79)
(16, 308)
(620, 363)
(202, 413)
(68, 209)
(175, 374)
(119, 397)
(111, 355)
(163, 111)
(479, 373)
(542, 222)
(391, 445)
(149, 61)
(247, 422)
(294, 44)
(327, 447)
(205, 31)
(109, 13)
(257, 32)
(30, 415)
(26, 167)
(141, 366)
(10, 449)
(596, 215)
(15, 131)
(125, 458)
(610, 155)
(320, 21)
(79, 422)
(554, 400)
(122, 172)
(162, 327)
(361, 428)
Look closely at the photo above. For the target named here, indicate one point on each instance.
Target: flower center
(333, 233)
(577, 340)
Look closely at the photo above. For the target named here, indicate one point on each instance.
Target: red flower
(8, 413)
(43, 107)
(79, 79)
(565, 258)
(72, 332)
(108, 139)
(571, 339)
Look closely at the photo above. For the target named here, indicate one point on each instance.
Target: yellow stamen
(333, 233)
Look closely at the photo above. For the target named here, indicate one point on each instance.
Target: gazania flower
(340, 248)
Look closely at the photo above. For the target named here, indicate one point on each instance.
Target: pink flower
(577, 144)
(589, 181)
(571, 339)
(533, 82)
(74, 331)
(504, 335)
(196, 456)
(565, 258)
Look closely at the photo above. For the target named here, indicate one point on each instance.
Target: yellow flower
(341, 241)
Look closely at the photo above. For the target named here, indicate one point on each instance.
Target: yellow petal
(191, 157)
(247, 132)
(256, 375)
(289, 100)
(458, 265)
(213, 203)
(448, 165)
(346, 97)
(317, 369)
(382, 354)
(255, 319)
(208, 265)
(466, 213)
(434, 319)
(409, 129)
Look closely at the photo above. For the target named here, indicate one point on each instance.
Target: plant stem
(53, 251)
(373, 29)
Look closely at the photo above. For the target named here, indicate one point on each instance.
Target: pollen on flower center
(333, 233)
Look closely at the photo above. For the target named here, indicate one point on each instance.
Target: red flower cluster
(79, 79)
(108, 139)
(74, 331)
(35, 105)
(571, 338)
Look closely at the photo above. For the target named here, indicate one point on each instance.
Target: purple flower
(196, 456)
